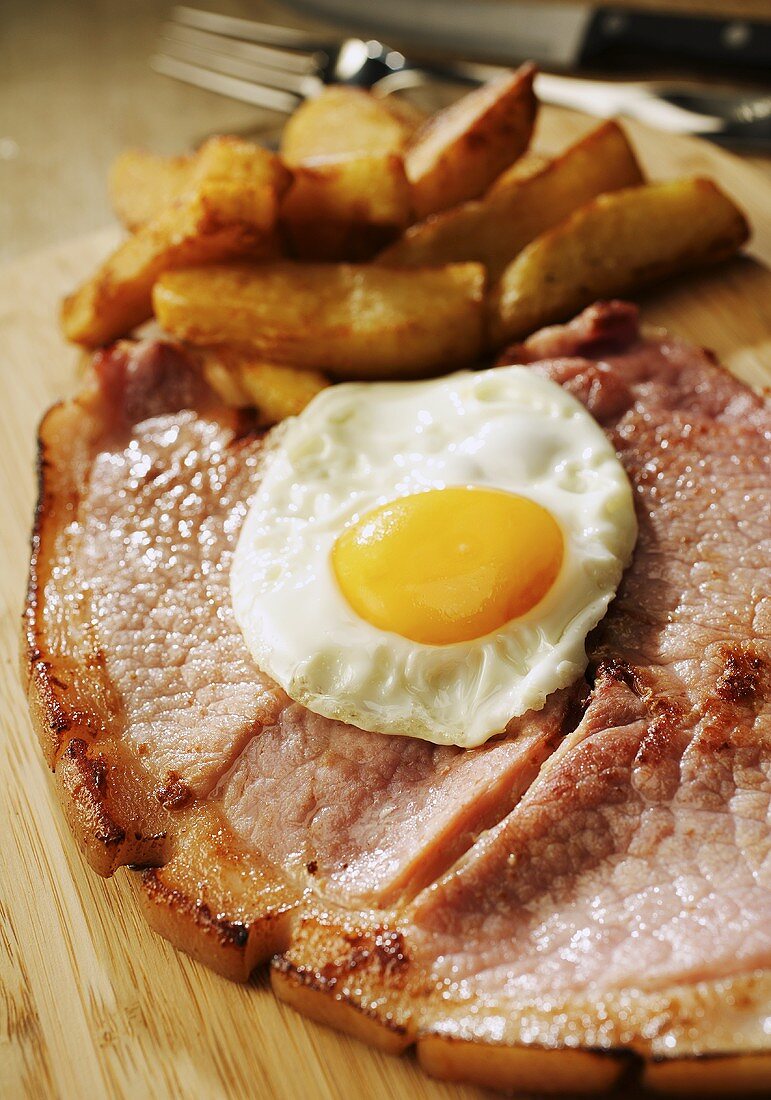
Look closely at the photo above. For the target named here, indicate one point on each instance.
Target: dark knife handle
(736, 42)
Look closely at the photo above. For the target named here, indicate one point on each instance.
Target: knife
(562, 35)
(613, 31)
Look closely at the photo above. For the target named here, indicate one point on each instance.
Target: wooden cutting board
(91, 1002)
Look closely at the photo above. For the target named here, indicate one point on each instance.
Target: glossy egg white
(360, 445)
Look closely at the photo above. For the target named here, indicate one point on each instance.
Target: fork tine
(248, 30)
(282, 60)
(244, 90)
(241, 67)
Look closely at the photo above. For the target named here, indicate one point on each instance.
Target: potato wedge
(346, 208)
(406, 112)
(231, 211)
(243, 380)
(529, 164)
(142, 185)
(354, 321)
(493, 230)
(234, 160)
(458, 152)
(343, 120)
(617, 243)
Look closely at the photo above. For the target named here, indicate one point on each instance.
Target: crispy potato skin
(346, 208)
(618, 243)
(342, 121)
(520, 205)
(119, 296)
(458, 152)
(353, 321)
(243, 380)
(529, 164)
(230, 211)
(142, 185)
(232, 160)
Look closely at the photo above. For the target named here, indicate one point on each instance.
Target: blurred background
(77, 86)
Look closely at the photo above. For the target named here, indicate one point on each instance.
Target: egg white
(360, 445)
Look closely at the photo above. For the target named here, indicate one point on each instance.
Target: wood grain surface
(91, 1002)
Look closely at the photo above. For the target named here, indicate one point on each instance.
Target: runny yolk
(448, 565)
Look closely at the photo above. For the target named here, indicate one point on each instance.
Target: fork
(279, 67)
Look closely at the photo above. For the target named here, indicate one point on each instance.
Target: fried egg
(427, 558)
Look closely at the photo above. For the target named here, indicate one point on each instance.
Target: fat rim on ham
(598, 880)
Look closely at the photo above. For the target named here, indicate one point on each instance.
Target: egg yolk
(448, 565)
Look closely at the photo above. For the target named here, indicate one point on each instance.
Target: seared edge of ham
(225, 892)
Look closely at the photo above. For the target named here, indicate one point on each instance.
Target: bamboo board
(91, 1002)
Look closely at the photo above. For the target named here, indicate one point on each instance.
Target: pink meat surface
(641, 855)
(149, 553)
(368, 818)
(362, 818)
(620, 836)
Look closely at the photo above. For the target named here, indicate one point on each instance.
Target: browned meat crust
(218, 896)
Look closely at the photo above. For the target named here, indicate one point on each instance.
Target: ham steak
(598, 877)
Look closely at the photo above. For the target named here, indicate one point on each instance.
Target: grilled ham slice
(598, 879)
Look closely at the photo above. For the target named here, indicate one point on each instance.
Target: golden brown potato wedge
(343, 120)
(520, 205)
(231, 211)
(458, 152)
(529, 164)
(345, 208)
(142, 185)
(243, 380)
(404, 111)
(619, 242)
(354, 321)
(234, 160)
